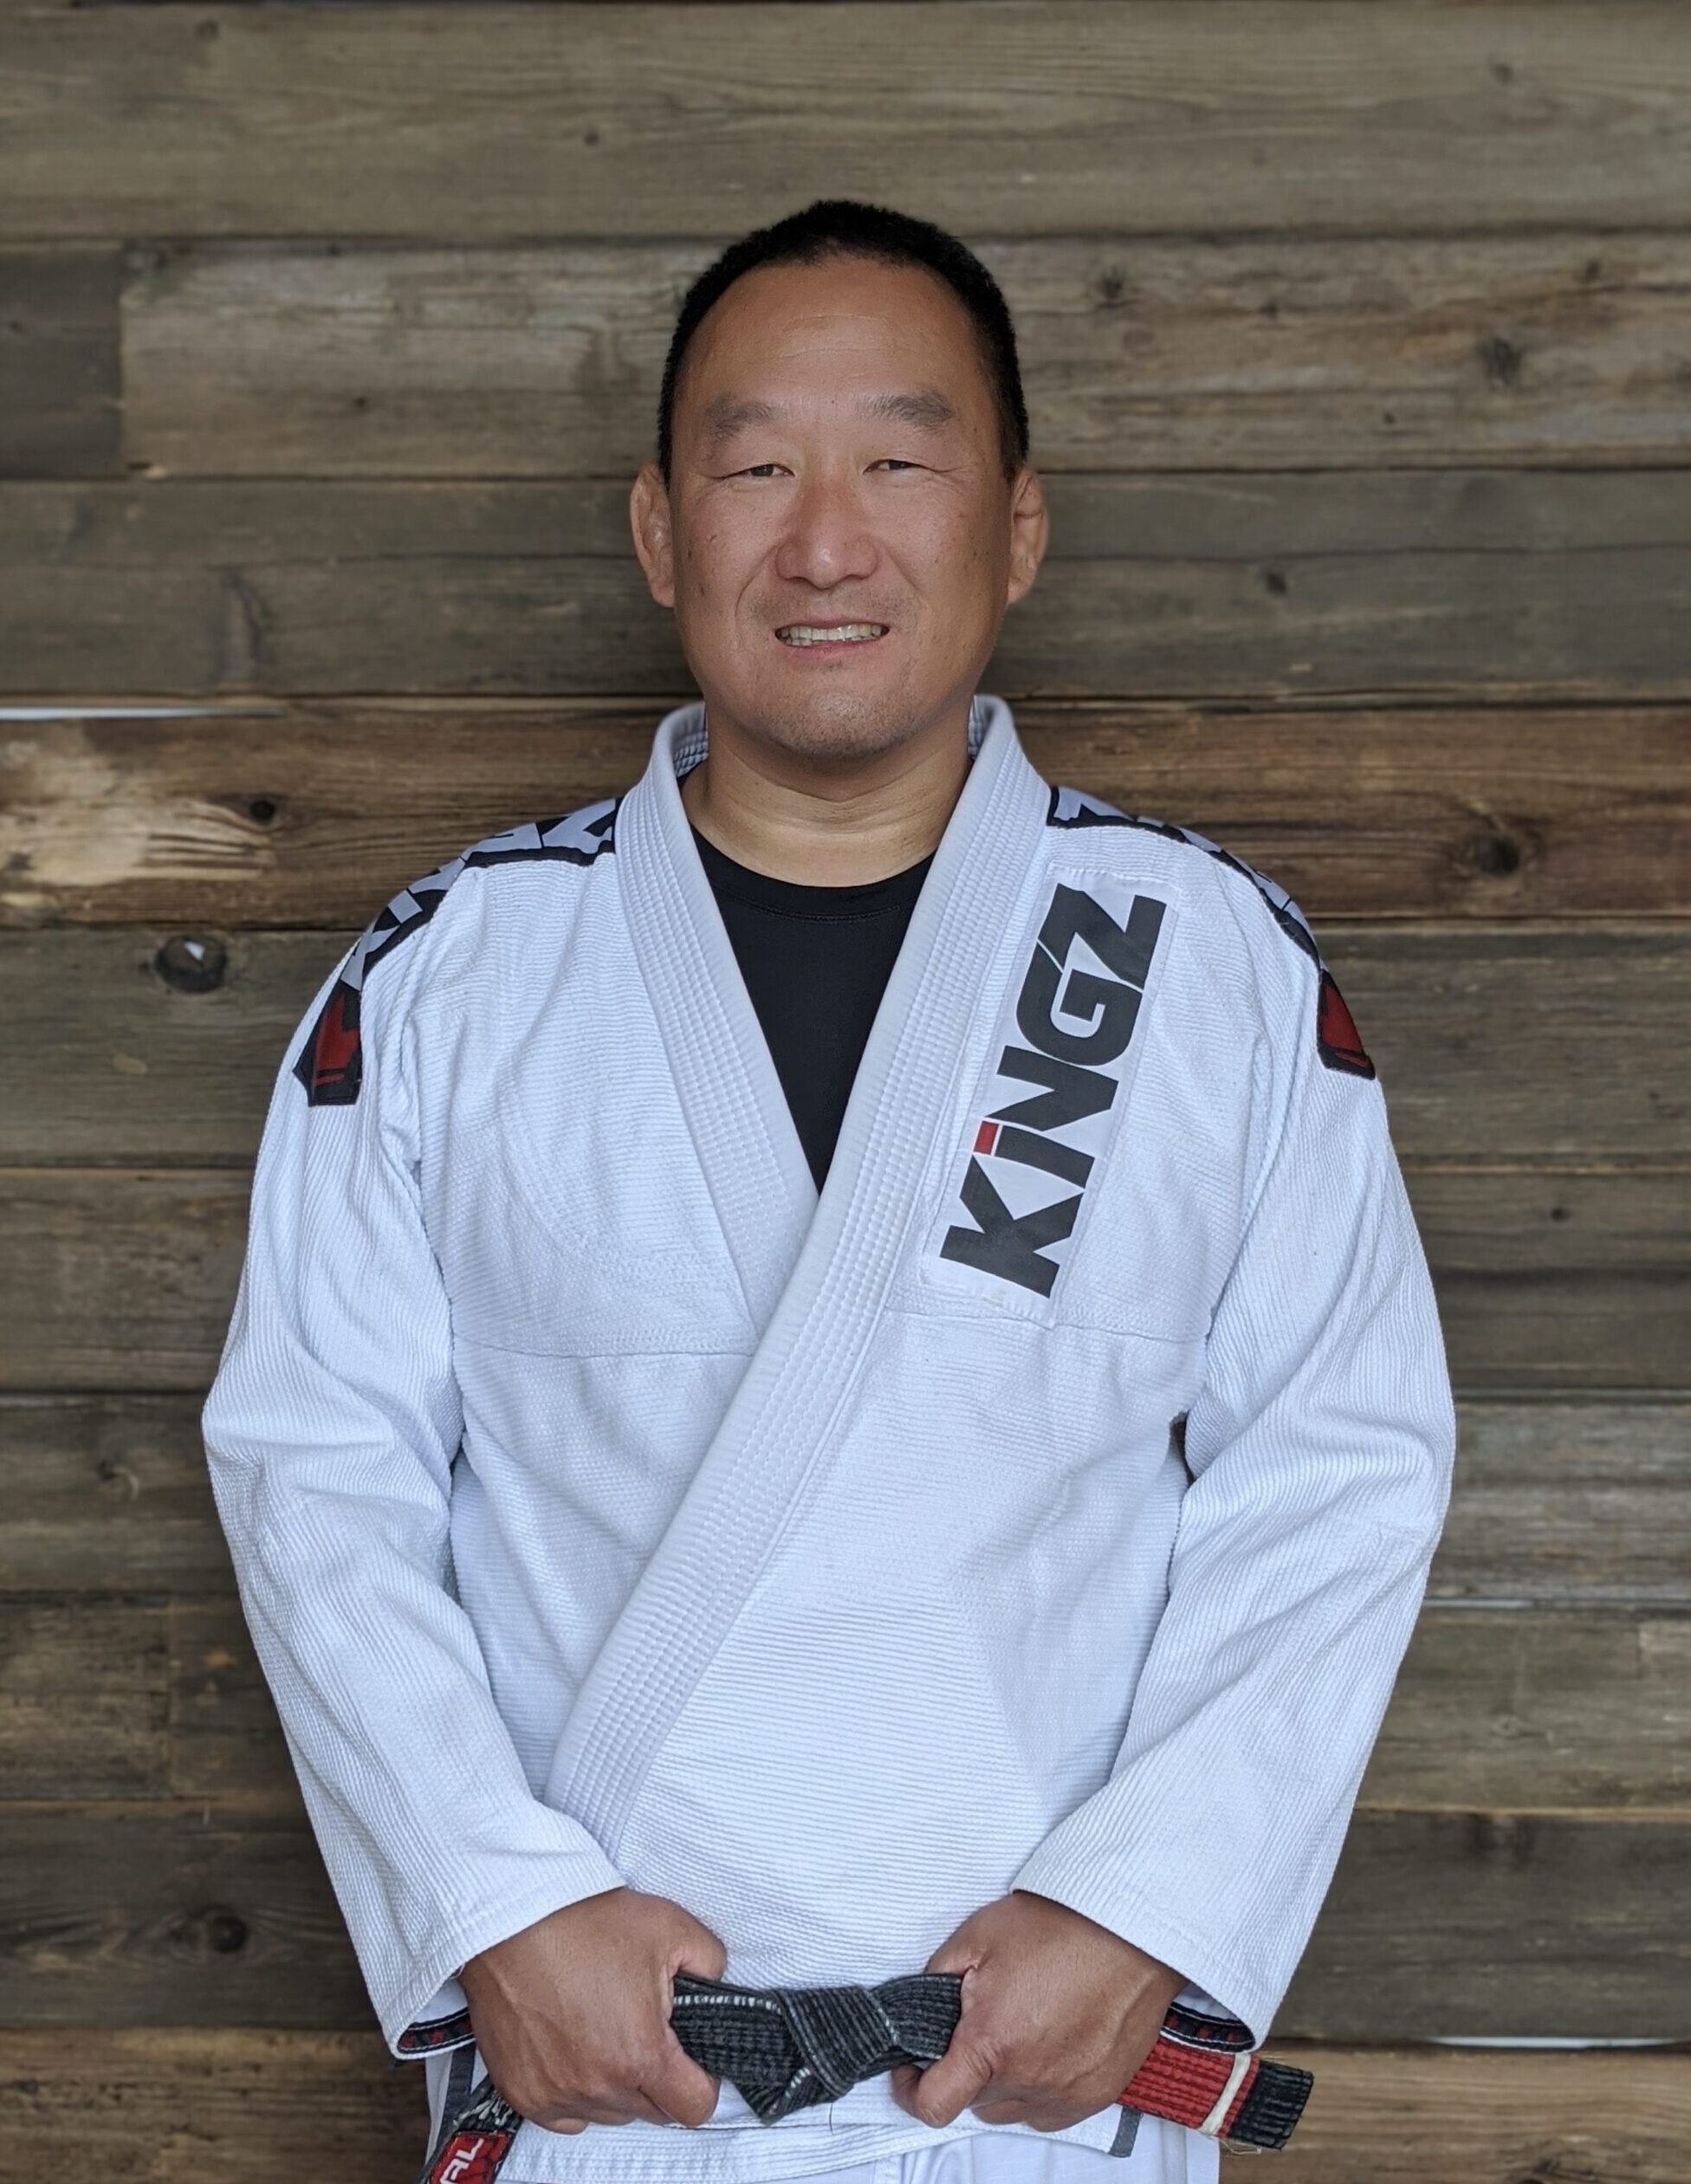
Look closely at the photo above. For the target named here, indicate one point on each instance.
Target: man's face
(837, 463)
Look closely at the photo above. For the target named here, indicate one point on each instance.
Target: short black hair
(845, 227)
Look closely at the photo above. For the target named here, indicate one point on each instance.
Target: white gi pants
(1161, 2154)
(1001, 2157)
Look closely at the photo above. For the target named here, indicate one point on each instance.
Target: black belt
(784, 2048)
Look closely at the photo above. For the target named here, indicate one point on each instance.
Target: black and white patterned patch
(331, 1062)
(1337, 1040)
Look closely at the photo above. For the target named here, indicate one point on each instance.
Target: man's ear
(1030, 529)
(648, 519)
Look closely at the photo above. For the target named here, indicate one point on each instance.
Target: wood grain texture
(134, 1696)
(1481, 1924)
(111, 1493)
(169, 2105)
(1501, 1049)
(314, 814)
(211, 2104)
(1433, 2115)
(1558, 1280)
(1506, 1711)
(481, 123)
(1576, 1503)
(189, 1712)
(225, 1738)
(85, 1697)
(145, 1913)
(1554, 1504)
(1487, 1924)
(1550, 1280)
(118, 1278)
(1432, 584)
(279, 358)
(61, 407)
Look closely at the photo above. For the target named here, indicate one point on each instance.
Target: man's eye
(896, 461)
(755, 469)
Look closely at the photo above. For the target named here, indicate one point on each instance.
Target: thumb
(701, 1952)
(945, 2089)
(682, 2088)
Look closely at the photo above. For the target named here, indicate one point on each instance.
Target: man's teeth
(808, 633)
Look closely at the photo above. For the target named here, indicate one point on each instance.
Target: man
(833, 1375)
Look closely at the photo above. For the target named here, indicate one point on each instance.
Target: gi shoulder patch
(331, 1062)
(1337, 1040)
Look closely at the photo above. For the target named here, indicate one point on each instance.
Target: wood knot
(1501, 359)
(1497, 855)
(212, 1928)
(110, 1472)
(192, 965)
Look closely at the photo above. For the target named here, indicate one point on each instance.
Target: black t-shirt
(815, 960)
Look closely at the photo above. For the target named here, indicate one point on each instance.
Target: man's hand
(1057, 2013)
(572, 2015)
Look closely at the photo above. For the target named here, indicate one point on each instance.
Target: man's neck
(833, 825)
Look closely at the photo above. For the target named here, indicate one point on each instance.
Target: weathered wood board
(1487, 2116)
(312, 813)
(61, 402)
(1446, 585)
(235, 2104)
(474, 123)
(1138, 352)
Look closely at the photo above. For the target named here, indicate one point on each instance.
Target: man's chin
(832, 723)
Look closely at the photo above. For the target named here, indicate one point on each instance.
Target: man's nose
(827, 537)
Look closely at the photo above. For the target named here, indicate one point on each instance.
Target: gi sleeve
(330, 1430)
(1320, 1446)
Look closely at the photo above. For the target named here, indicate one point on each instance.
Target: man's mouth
(831, 632)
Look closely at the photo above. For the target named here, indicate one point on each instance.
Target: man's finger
(947, 2087)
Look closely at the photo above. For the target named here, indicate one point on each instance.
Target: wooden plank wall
(1357, 341)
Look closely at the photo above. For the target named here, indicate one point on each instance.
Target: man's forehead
(896, 329)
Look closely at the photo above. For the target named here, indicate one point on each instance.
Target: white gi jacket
(1047, 1505)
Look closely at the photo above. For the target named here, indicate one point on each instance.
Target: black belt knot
(787, 2048)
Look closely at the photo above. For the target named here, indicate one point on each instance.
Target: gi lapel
(814, 1271)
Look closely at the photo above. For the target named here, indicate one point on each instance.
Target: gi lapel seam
(748, 1147)
(748, 1484)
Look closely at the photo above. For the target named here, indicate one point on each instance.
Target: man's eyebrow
(924, 405)
(725, 415)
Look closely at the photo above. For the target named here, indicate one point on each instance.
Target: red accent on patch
(1336, 1037)
(471, 2157)
(986, 1137)
(336, 1043)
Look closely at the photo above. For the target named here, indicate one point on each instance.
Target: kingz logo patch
(1065, 1057)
